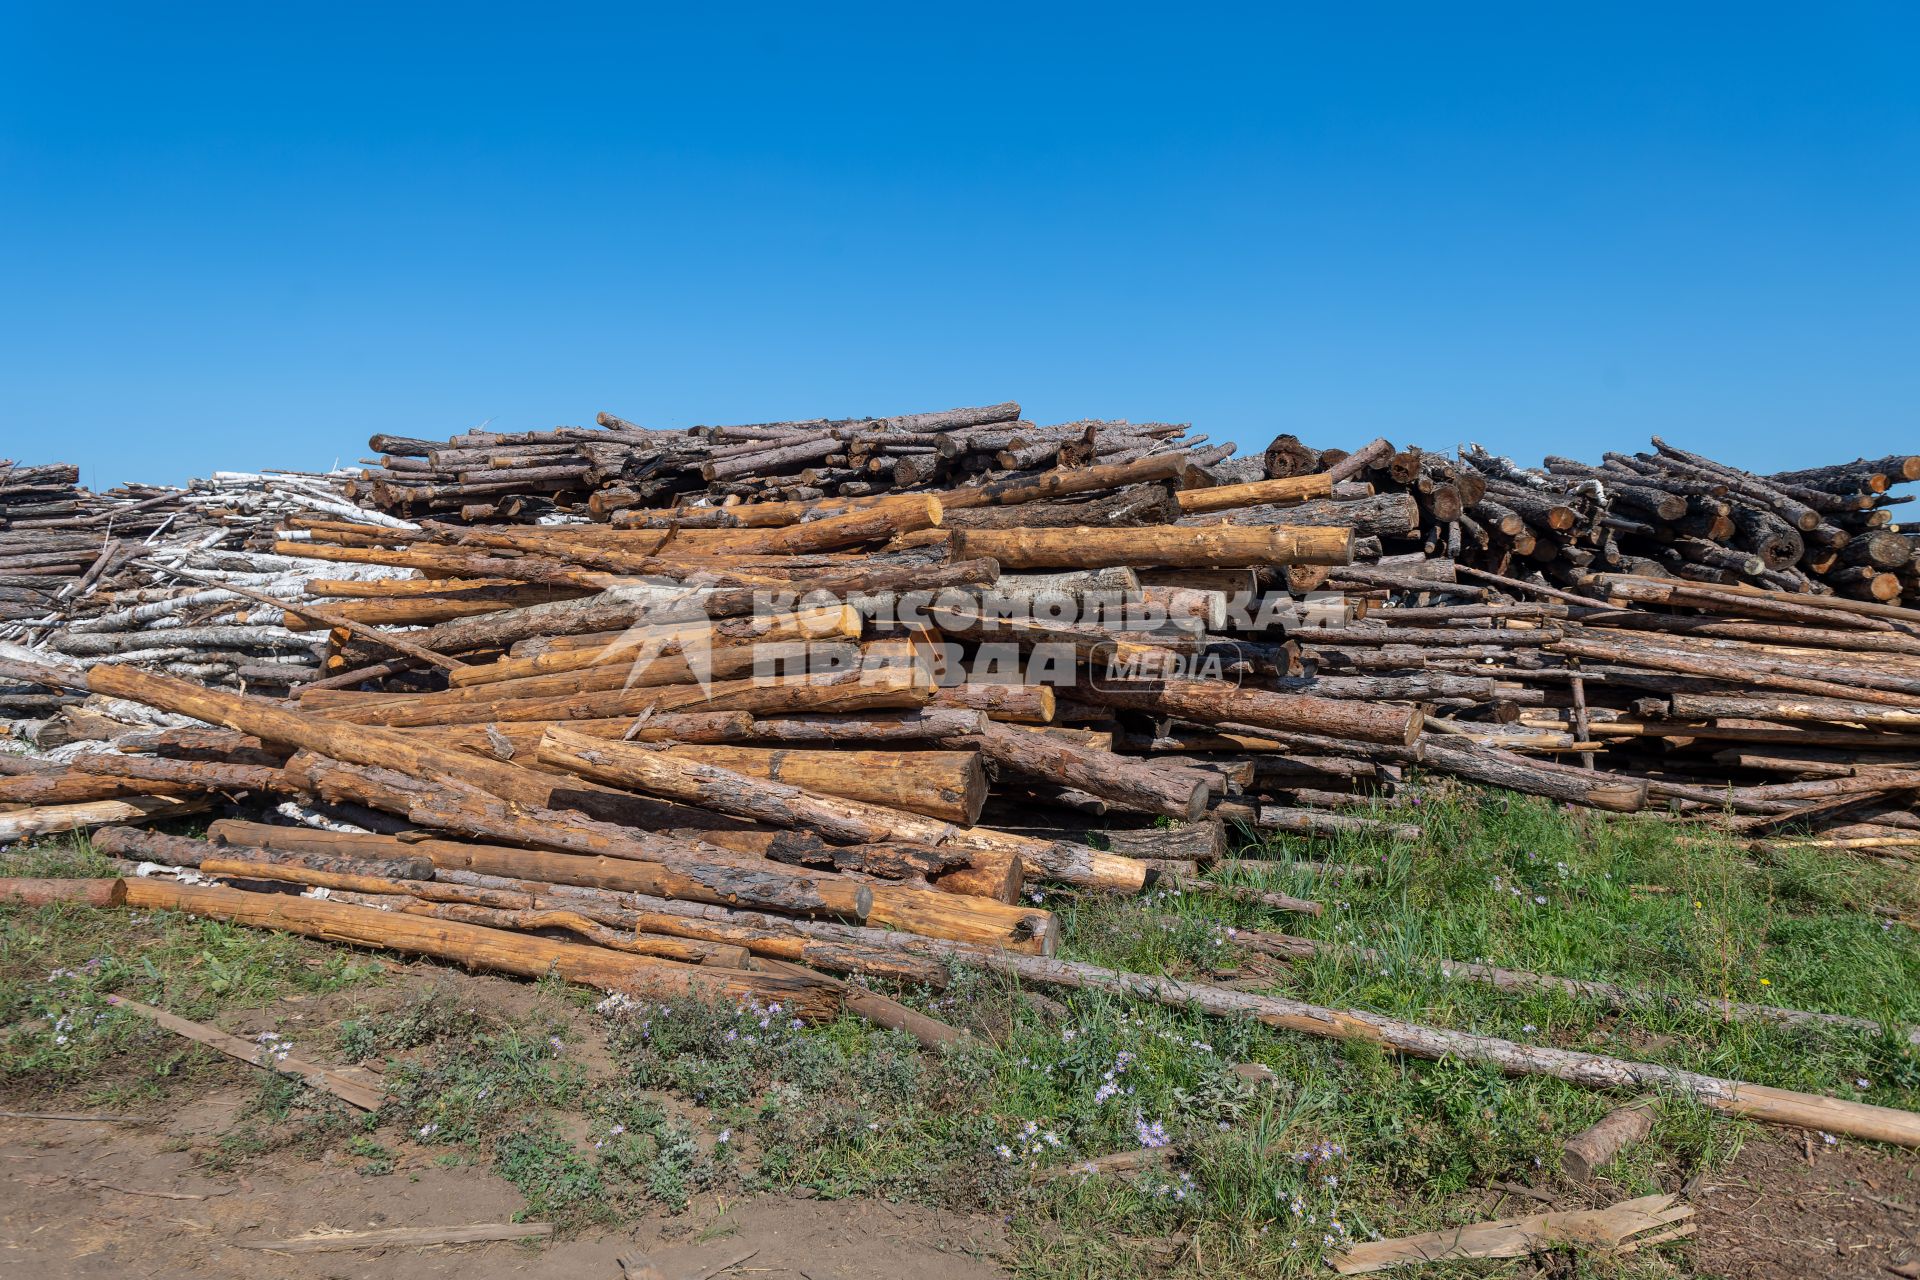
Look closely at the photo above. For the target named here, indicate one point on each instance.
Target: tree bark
(1212, 701)
(1025, 703)
(1582, 1155)
(1127, 783)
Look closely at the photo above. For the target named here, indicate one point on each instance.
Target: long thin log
(1307, 822)
(133, 844)
(1218, 546)
(1256, 493)
(1212, 701)
(1608, 994)
(836, 622)
(1756, 1101)
(776, 937)
(198, 774)
(498, 950)
(833, 691)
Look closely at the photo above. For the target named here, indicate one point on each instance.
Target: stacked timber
(1665, 512)
(619, 471)
(1110, 642)
(645, 712)
(181, 580)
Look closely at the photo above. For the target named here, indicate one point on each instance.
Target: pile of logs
(617, 470)
(1666, 513)
(1145, 637)
(171, 578)
(651, 710)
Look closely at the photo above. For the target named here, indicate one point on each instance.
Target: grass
(1264, 1179)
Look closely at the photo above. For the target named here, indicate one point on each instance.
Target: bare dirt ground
(84, 1200)
(79, 1201)
(1792, 1206)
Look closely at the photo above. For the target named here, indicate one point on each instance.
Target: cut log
(1216, 547)
(643, 977)
(1294, 488)
(47, 820)
(1582, 1155)
(1213, 701)
(1125, 782)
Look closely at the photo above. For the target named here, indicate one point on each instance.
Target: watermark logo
(960, 636)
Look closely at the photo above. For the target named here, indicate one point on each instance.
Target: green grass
(58, 963)
(1265, 1180)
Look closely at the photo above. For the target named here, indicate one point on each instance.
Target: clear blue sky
(242, 235)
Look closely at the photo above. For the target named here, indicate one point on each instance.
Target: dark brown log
(1689, 464)
(1213, 701)
(175, 851)
(1126, 783)
(1286, 456)
(198, 774)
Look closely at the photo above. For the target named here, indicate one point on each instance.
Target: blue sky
(253, 235)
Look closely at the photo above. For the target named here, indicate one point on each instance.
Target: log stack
(757, 713)
(940, 687)
(170, 578)
(617, 471)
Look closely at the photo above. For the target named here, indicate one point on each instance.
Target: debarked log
(1173, 546)
(478, 947)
